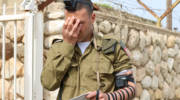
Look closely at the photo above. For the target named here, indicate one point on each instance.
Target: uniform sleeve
(57, 63)
(122, 61)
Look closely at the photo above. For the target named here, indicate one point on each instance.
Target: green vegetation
(105, 5)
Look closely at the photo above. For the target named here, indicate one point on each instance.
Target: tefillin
(71, 5)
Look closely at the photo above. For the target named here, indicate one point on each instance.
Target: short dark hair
(88, 6)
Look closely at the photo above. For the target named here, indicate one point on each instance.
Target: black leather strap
(97, 95)
(115, 96)
(133, 90)
(123, 94)
(120, 95)
(108, 96)
(127, 92)
(112, 96)
(61, 90)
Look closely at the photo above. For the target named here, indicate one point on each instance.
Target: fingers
(91, 95)
(71, 23)
(128, 72)
(76, 25)
(102, 95)
(76, 28)
(131, 84)
(71, 30)
(66, 23)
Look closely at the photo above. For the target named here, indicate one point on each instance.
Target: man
(85, 63)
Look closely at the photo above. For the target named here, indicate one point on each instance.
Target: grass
(105, 5)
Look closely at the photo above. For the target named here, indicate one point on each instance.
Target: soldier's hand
(71, 30)
(92, 95)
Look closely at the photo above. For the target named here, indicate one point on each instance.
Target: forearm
(52, 75)
(56, 66)
(126, 93)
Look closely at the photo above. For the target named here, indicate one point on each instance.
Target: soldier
(85, 63)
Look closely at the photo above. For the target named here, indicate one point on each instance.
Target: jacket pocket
(103, 65)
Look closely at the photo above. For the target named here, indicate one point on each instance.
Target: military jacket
(76, 73)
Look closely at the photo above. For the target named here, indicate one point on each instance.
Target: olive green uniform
(65, 64)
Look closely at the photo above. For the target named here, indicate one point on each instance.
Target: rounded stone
(20, 86)
(177, 67)
(168, 78)
(146, 82)
(178, 56)
(156, 56)
(7, 85)
(142, 42)
(156, 39)
(145, 95)
(176, 81)
(145, 58)
(135, 98)
(157, 69)
(163, 41)
(105, 27)
(158, 94)
(150, 50)
(139, 90)
(178, 41)
(172, 93)
(113, 26)
(0, 65)
(151, 92)
(177, 92)
(161, 81)
(55, 7)
(171, 41)
(148, 38)
(164, 68)
(9, 68)
(170, 64)
(165, 54)
(155, 82)
(20, 52)
(176, 48)
(150, 67)
(166, 90)
(49, 40)
(124, 34)
(53, 27)
(9, 49)
(10, 31)
(137, 57)
(117, 29)
(56, 15)
(172, 52)
(133, 39)
(140, 74)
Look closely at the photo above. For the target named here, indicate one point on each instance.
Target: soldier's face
(86, 21)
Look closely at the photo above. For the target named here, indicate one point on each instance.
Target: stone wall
(155, 52)
(9, 64)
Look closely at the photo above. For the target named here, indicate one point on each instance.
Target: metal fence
(33, 55)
